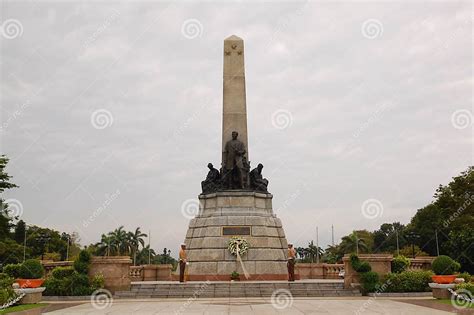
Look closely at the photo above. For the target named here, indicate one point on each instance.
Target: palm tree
(105, 245)
(301, 252)
(135, 240)
(352, 243)
(146, 255)
(120, 240)
(314, 251)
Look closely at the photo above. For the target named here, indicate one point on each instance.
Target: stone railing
(136, 273)
(50, 265)
(421, 263)
(318, 271)
(151, 272)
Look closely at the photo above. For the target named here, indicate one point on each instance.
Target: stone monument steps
(234, 289)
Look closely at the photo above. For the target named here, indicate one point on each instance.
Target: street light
(412, 237)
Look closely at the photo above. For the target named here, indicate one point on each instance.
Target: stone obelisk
(243, 213)
(234, 101)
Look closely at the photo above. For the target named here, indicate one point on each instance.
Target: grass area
(448, 301)
(20, 308)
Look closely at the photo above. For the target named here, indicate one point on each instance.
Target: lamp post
(43, 239)
(412, 236)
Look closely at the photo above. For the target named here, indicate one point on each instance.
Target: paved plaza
(362, 305)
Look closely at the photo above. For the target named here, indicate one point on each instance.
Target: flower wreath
(239, 242)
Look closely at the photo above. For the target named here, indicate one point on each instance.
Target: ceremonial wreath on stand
(238, 246)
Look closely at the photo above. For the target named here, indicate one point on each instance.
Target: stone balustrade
(151, 272)
(318, 271)
(421, 263)
(136, 273)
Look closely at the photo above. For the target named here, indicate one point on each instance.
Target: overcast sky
(111, 111)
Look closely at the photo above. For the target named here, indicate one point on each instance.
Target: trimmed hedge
(31, 269)
(400, 264)
(359, 266)
(408, 281)
(67, 281)
(12, 270)
(62, 272)
(445, 265)
(370, 281)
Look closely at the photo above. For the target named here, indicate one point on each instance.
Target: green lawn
(448, 301)
(20, 308)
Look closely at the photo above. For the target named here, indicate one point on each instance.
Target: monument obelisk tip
(233, 38)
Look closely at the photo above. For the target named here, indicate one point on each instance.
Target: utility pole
(149, 247)
(437, 245)
(357, 243)
(67, 248)
(24, 246)
(398, 247)
(332, 234)
(317, 245)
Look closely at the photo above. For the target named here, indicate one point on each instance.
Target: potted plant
(234, 275)
(444, 268)
(31, 274)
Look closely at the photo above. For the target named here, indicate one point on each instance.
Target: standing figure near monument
(182, 262)
(291, 262)
(257, 182)
(212, 182)
(234, 166)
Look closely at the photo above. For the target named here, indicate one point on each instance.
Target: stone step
(239, 289)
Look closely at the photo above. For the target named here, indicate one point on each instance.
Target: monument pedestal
(246, 214)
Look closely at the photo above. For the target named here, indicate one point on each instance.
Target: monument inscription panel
(236, 230)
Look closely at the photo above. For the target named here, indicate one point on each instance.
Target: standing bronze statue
(235, 167)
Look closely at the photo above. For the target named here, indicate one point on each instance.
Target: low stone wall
(50, 265)
(380, 263)
(421, 263)
(317, 271)
(115, 269)
(151, 272)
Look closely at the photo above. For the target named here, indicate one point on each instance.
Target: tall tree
(354, 244)
(20, 229)
(5, 219)
(120, 240)
(136, 239)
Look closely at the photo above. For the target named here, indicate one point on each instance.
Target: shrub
(400, 264)
(408, 281)
(81, 267)
(97, 282)
(359, 266)
(445, 265)
(469, 286)
(31, 269)
(66, 281)
(364, 267)
(80, 284)
(466, 276)
(62, 272)
(13, 270)
(84, 256)
(369, 280)
(53, 286)
(6, 290)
